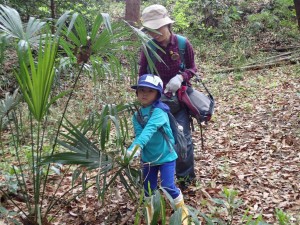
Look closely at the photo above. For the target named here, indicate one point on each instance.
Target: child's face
(146, 96)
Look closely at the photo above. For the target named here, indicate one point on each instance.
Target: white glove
(174, 84)
(132, 154)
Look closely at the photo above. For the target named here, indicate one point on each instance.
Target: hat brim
(158, 23)
(135, 87)
(143, 29)
(142, 85)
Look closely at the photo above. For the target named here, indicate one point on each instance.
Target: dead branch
(281, 61)
(270, 58)
(280, 49)
(130, 215)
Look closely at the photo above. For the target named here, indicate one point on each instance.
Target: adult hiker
(173, 73)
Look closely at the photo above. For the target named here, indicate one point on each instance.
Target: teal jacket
(155, 149)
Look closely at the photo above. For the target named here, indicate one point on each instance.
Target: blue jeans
(185, 168)
(167, 177)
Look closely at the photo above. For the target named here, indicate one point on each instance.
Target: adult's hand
(174, 84)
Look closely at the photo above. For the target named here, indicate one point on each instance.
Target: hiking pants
(185, 168)
(167, 178)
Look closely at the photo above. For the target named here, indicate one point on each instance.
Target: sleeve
(189, 58)
(137, 127)
(157, 120)
(143, 64)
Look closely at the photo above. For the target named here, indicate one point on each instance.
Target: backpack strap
(143, 123)
(181, 47)
(140, 119)
(181, 42)
(167, 138)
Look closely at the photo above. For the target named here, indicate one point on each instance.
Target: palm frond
(175, 219)
(9, 103)
(11, 25)
(36, 80)
(147, 43)
(61, 22)
(81, 30)
(97, 23)
(84, 153)
(106, 19)
(33, 27)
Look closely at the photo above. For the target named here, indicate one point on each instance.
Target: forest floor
(252, 145)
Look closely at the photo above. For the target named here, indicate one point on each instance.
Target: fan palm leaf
(11, 22)
(28, 33)
(107, 42)
(85, 153)
(36, 80)
(11, 25)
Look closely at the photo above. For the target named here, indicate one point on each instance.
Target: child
(156, 155)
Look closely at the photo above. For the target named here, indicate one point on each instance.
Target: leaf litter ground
(252, 145)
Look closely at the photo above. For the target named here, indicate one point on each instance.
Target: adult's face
(163, 34)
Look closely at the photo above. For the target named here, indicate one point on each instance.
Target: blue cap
(150, 81)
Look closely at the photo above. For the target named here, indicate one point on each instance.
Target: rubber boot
(149, 209)
(179, 203)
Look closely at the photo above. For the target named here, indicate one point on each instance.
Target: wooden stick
(259, 66)
(280, 49)
(130, 215)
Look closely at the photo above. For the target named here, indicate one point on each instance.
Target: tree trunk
(52, 8)
(297, 7)
(132, 12)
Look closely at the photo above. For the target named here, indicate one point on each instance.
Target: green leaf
(36, 80)
(175, 218)
(81, 29)
(54, 99)
(9, 103)
(207, 219)
(61, 22)
(97, 23)
(75, 175)
(218, 201)
(106, 19)
(11, 25)
(156, 206)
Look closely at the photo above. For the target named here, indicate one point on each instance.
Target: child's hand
(132, 153)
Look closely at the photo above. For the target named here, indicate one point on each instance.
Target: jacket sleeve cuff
(186, 76)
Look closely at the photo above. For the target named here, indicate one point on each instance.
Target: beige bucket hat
(155, 16)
